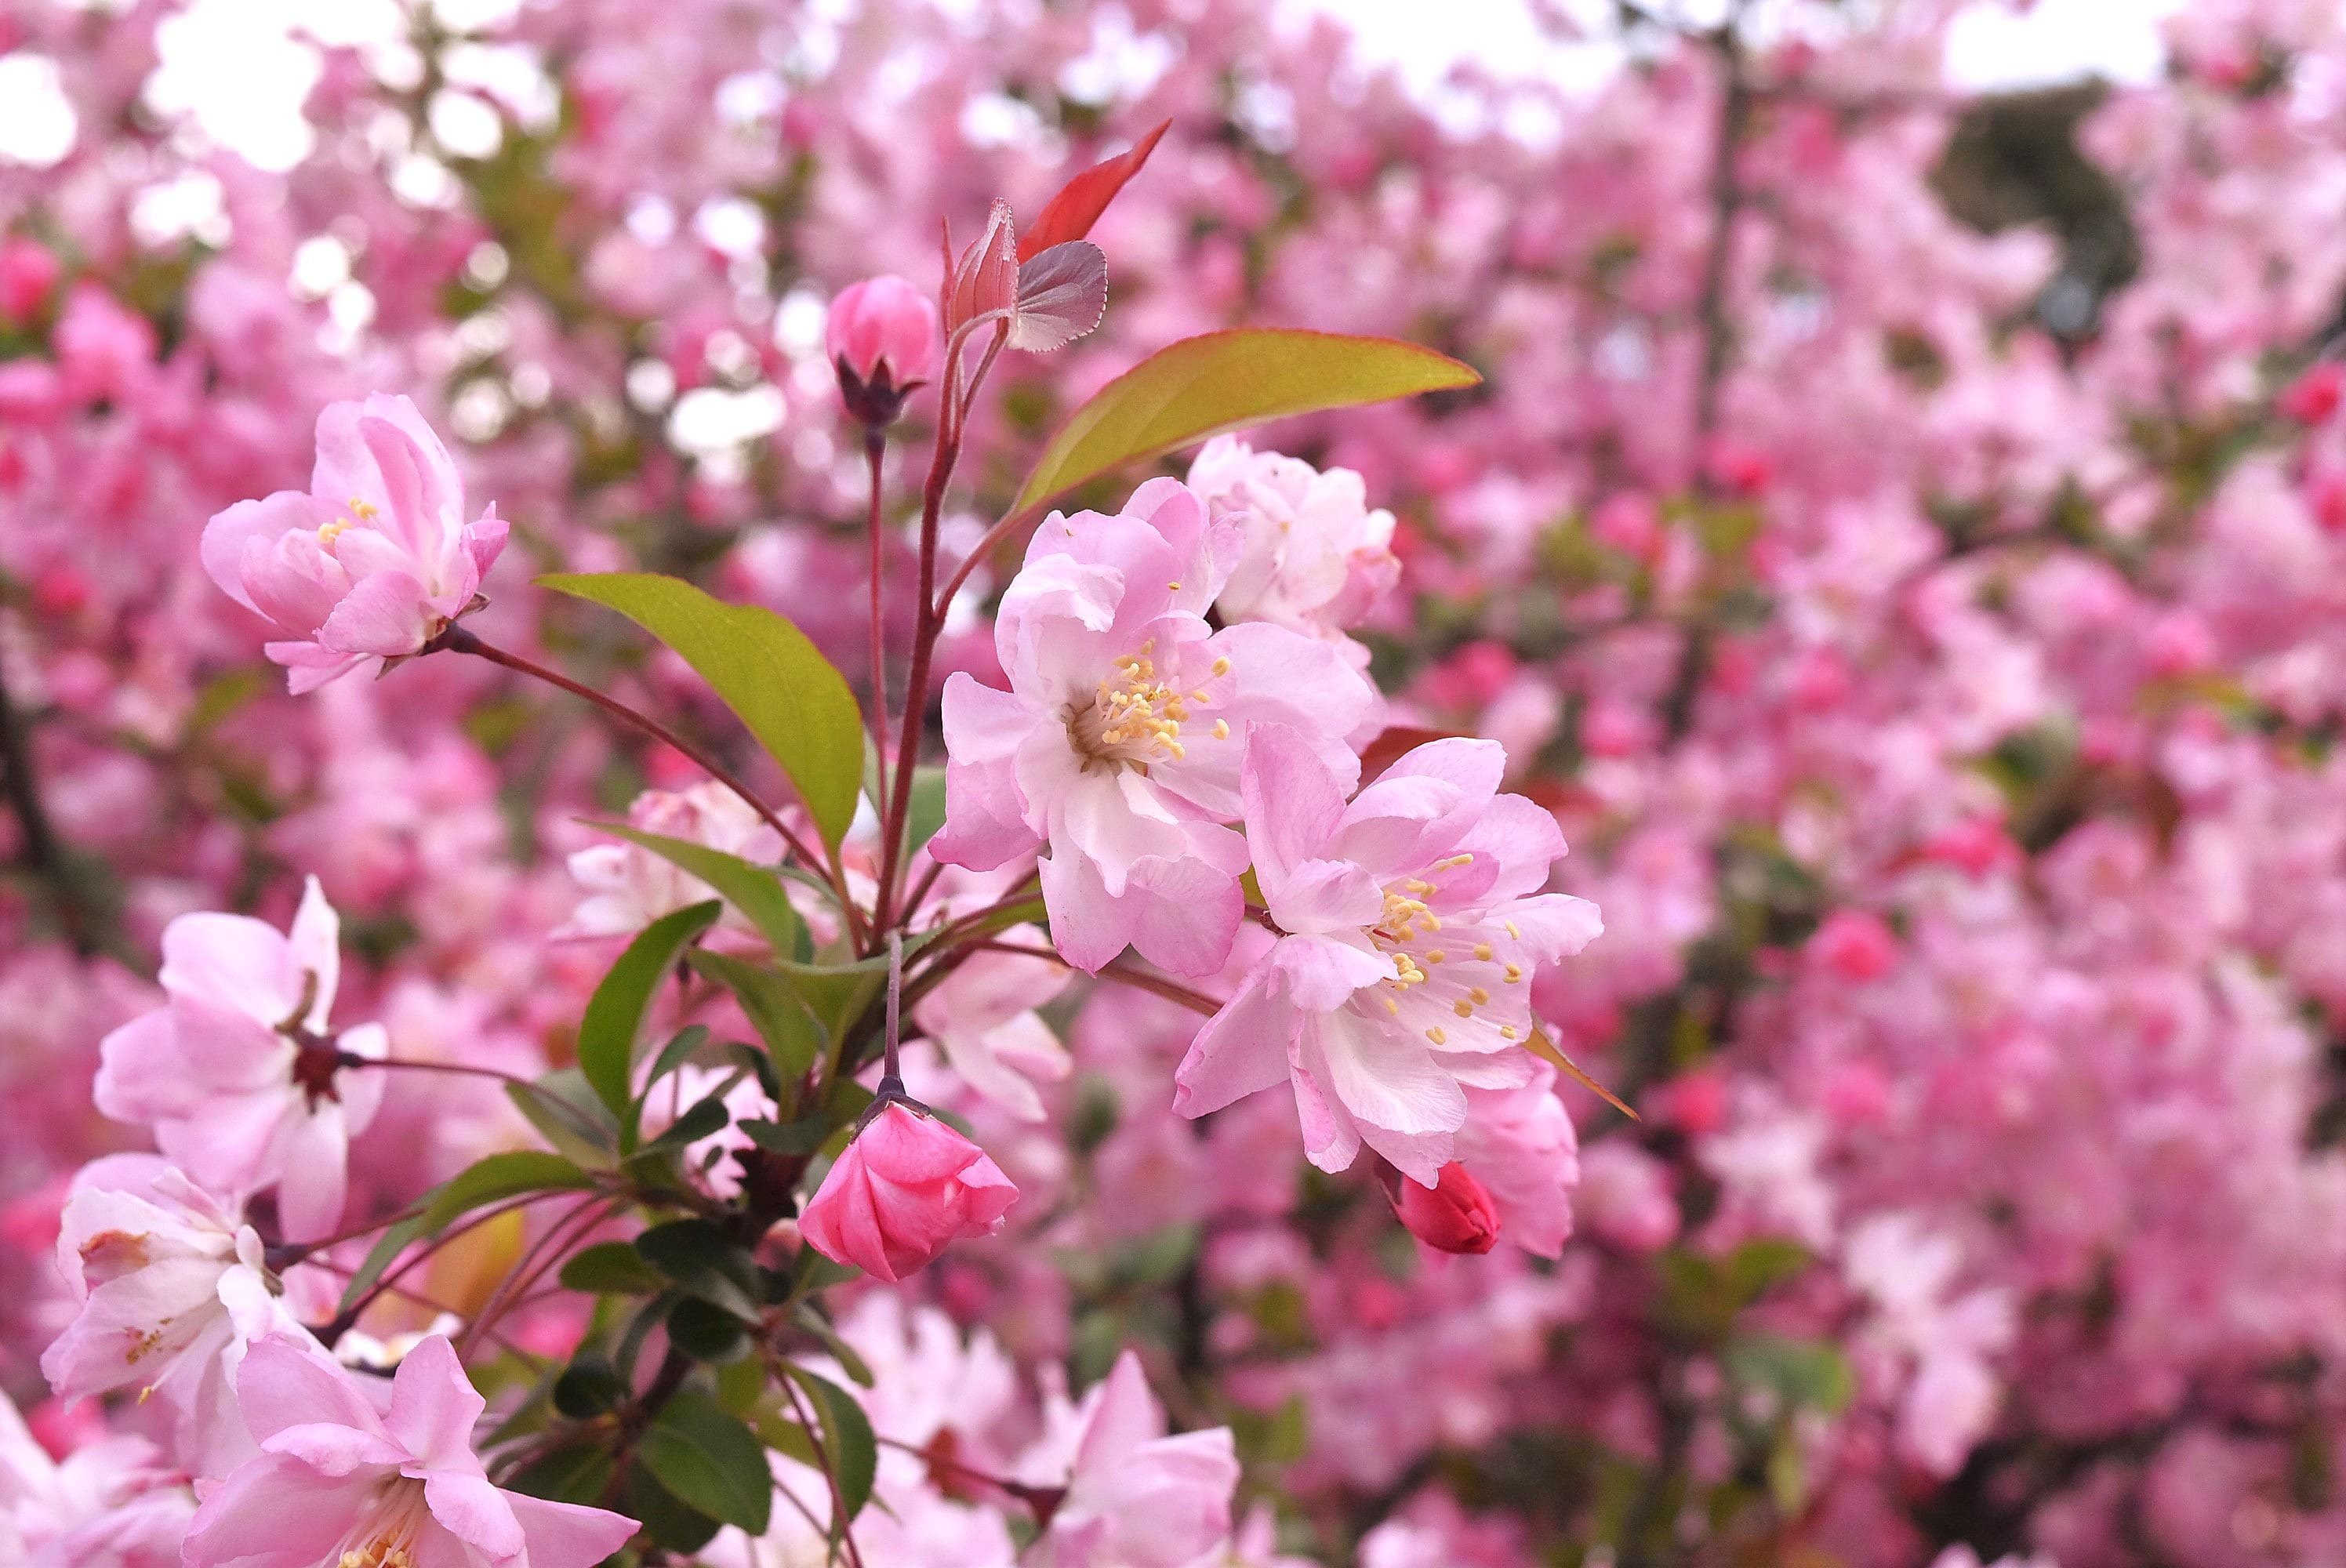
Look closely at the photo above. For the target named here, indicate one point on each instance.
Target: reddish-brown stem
(1155, 984)
(527, 1267)
(953, 404)
(876, 449)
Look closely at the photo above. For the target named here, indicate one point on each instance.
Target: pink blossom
(28, 271)
(112, 1502)
(981, 1016)
(337, 1482)
(904, 1188)
(1314, 557)
(373, 561)
(1136, 1498)
(172, 1287)
(236, 1073)
(1520, 1146)
(1118, 746)
(1411, 922)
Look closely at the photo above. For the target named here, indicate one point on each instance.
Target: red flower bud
(2314, 396)
(1454, 1216)
(882, 339)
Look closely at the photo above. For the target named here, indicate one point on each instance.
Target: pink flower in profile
(1136, 1498)
(1316, 558)
(1520, 1146)
(236, 1073)
(881, 338)
(1116, 748)
(1412, 923)
(173, 1287)
(336, 1481)
(370, 563)
(900, 1192)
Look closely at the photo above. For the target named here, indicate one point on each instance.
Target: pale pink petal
(433, 1405)
(313, 944)
(1062, 295)
(1242, 1049)
(274, 1512)
(1293, 802)
(313, 1154)
(384, 616)
(474, 1511)
(227, 536)
(567, 1536)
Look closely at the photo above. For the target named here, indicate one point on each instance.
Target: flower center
(362, 511)
(1135, 718)
(1407, 920)
(386, 1533)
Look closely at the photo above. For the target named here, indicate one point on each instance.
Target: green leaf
(1203, 386)
(575, 1472)
(699, 1257)
(613, 1268)
(773, 1004)
(803, 1136)
(706, 1332)
(567, 1113)
(702, 1119)
(497, 1176)
(754, 890)
(670, 1521)
(847, 1442)
(710, 1460)
(388, 1246)
(850, 1360)
(589, 1386)
(797, 706)
(680, 1048)
(615, 1013)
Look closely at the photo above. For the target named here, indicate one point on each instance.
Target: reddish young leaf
(1392, 744)
(1080, 201)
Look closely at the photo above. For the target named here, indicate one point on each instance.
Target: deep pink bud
(882, 339)
(28, 271)
(904, 1188)
(1455, 1215)
(1855, 944)
(2314, 396)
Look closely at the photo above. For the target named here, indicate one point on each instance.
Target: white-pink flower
(237, 1072)
(1136, 1498)
(172, 1286)
(1116, 748)
(981, 1016)
(1411, 922)
(371, 560)
(1520, 1144)
(1315, 557)
(337, 1482)
(110, 1503)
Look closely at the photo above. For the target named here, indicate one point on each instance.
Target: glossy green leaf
(615, 1013)
(847, 1439)
(711, 1462)
(488, 1180)
(754, 890)
(1219, 382)
(575, 1472)
(791, 698)
(667, 1518)
(566, 1112)
(613, 1267)
(773, 1004)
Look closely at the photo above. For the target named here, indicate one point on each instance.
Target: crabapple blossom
(1410, 924)
(373, 561)
(1116, 749)
(981, 1016)
(173, 1287)
(904, 1189)
(628, 887)
(339, 1481)
(112, 1502)
(1136, 1498)
(239, 1073)
(1314, 557)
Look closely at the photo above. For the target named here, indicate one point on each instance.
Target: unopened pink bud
(882, 339)
(1454, 1215)
(906, 1187)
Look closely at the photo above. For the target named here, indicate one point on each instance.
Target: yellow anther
(1437, 1036)
(361, 510)
(1511, 932)
(1172, 587)
(1482, 950)
(1506, 1031)
(1416, 886)
(329, 532)
(1221, 667)
(1434, 955)
(1478, 996)
(1464, 1009)
(1453, 862)
(1390, 1006)
(1221, 730)
(1514, 974)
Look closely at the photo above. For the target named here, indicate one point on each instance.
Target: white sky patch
(1990, 45)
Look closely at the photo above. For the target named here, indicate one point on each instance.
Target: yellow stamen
(1464, 1009)
(1482, 950)
(1437, 1036)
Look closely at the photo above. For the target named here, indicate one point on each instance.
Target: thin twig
(40, 850)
